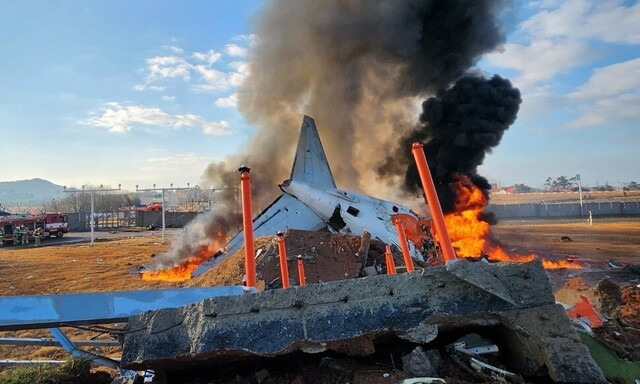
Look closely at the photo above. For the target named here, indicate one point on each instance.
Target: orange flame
(471, 236)
(185, 268)
(560, 264)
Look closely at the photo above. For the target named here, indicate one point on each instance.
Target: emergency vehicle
(52, 224)
(153, 207)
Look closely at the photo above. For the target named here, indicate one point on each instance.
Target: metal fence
(601, 207)
(81, 221)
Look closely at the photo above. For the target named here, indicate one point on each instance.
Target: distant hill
(34, 191)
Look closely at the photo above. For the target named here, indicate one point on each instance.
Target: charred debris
(466, 322)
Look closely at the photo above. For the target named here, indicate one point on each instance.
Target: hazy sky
(142, 92)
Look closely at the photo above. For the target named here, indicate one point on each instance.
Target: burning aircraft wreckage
(311, 201)
(353, 281)
(500, 317)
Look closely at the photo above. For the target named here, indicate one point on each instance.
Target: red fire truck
(52, 224)
(153, 207)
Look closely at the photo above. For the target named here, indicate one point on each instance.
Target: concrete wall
(542, 210)
(172, 219)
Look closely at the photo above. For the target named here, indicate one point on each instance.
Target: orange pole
(284, 268)
(301, 277)
(402, 237)
(391, 264)
(434, 203)
(247, 226)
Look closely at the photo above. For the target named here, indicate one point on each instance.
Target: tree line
(81, 202)
(564, 184)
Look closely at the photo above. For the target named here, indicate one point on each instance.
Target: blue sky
(109, 92)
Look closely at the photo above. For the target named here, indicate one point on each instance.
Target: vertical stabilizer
(310, 164)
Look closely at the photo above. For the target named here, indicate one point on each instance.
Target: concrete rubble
(619, 307)
(510, 304)
(421, 363)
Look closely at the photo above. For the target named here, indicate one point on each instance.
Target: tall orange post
(247, 226)
(284, 268)
(434, 203)
(402, 238)
(391, 264)
(301, 278)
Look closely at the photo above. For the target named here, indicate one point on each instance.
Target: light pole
(171, 188)
(580, 194)
(92, 192)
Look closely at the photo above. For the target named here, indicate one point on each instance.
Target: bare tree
(81, 202)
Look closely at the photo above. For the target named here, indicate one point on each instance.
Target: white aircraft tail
(310, 164)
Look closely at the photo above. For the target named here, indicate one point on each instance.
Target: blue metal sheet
(51, 342)
(45, 311)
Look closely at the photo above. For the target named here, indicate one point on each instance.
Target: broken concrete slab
(352, 316)
(557, 345)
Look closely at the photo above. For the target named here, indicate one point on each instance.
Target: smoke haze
(358, 68)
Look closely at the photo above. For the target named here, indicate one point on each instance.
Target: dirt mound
(622, 333)
(230, 271)
(630, 308)
(607, 298)
(326, 257)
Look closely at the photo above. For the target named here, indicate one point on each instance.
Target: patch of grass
(612, 366)
(73, 371)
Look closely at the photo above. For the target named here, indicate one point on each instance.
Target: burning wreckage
(359, 66)
(453, 313)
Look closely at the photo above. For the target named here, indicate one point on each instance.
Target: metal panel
(45, 311)
(66, 343)
(14, 363)
(50, 342)
(285, 212)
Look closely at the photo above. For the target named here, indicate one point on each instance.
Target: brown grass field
(603, 240)
(77, 268)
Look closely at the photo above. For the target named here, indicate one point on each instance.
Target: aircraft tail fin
(310, 164)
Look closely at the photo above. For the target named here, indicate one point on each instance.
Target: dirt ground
(108, 264)
(603, 240)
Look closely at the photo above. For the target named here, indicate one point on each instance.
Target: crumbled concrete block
(421, 363)
(514, 300)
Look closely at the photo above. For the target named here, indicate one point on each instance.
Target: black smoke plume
(459, 127)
